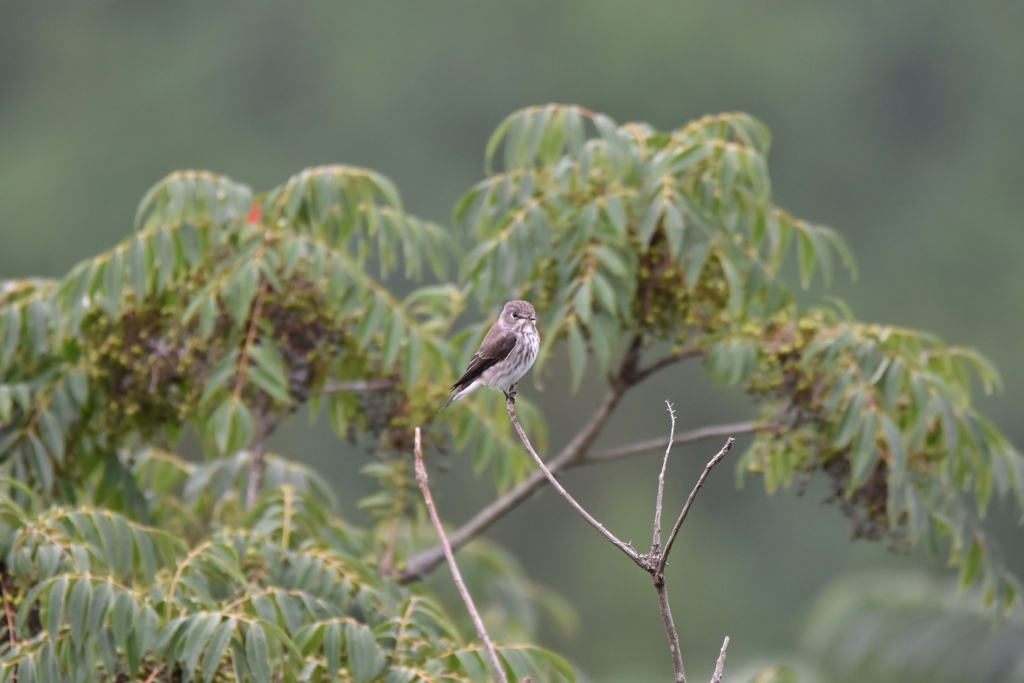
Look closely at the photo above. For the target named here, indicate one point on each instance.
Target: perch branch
(632, 554)
(689, 502)
(421, 478)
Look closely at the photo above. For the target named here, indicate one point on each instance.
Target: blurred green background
(898, 123)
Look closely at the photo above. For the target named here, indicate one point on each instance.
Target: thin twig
(639, 447)
(360, 386)
(12, 635)
(250, 339)
(632, 554)
(656, 543)
(421, 479)
(720, 664)
(644, 373)
(670, 629)
(689, 502)
(154, 674)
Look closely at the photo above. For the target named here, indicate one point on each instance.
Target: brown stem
(250, 339)
(639, 447)
(660, 571)
(421, 479)
(632, 554)
(656, 543)
(670, 629)
(720, 664)
(360, 386)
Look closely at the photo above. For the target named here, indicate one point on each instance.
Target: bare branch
(421, 478)
(720, 665)
(689, 502)
(632, 554)
(643, 373)
(656, 543)
(670, 629)
(360, 386)
(639, 447)
(421, 564)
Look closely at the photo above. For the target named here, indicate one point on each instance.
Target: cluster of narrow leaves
(633, 230)
(91, 595)
(622, 230)
(229, 311)
(886, 412)
(910, 627)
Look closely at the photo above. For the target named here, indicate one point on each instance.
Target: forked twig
(689, 502)
(421, 479)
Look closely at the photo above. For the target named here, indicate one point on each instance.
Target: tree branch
(643, 373)
(670, 629)
(655, 444)
(656, 543)
(720, 664)
(660, 572)
(632, 554)
(360, 386)
(421, 479)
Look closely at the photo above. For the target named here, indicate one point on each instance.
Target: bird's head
(518, 314)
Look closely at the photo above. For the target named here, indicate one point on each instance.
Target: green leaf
(611, 260)
(616, 212)
(805, 251)
(124, 616)
(98, 606)
(268, 372)
(55, 608)
(332, 648)
(215, 649)
(199, 632)
(225, 368)
(39, 459)
(650, 222)
(257, 655)
(53, 435)
(577, 355)
(865, 454)
(365, 659)
(78, 609)
(581, 302)
(972, 563)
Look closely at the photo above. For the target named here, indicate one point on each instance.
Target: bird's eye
(515, 315)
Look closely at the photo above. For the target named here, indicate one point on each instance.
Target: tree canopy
(225, 310)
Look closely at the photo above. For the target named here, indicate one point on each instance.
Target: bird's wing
(496, 346)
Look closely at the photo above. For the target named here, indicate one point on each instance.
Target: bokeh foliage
(226, 310)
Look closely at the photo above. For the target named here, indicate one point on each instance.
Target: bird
(506, 353)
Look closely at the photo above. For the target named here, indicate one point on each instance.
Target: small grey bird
(506, 353)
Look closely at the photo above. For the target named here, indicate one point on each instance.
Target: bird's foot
(510, 395)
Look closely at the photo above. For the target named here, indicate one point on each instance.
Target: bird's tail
(454, 396)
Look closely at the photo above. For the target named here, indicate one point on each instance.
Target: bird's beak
(533, 318)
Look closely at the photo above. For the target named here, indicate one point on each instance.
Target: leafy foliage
(910, 627)
(225, 311)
